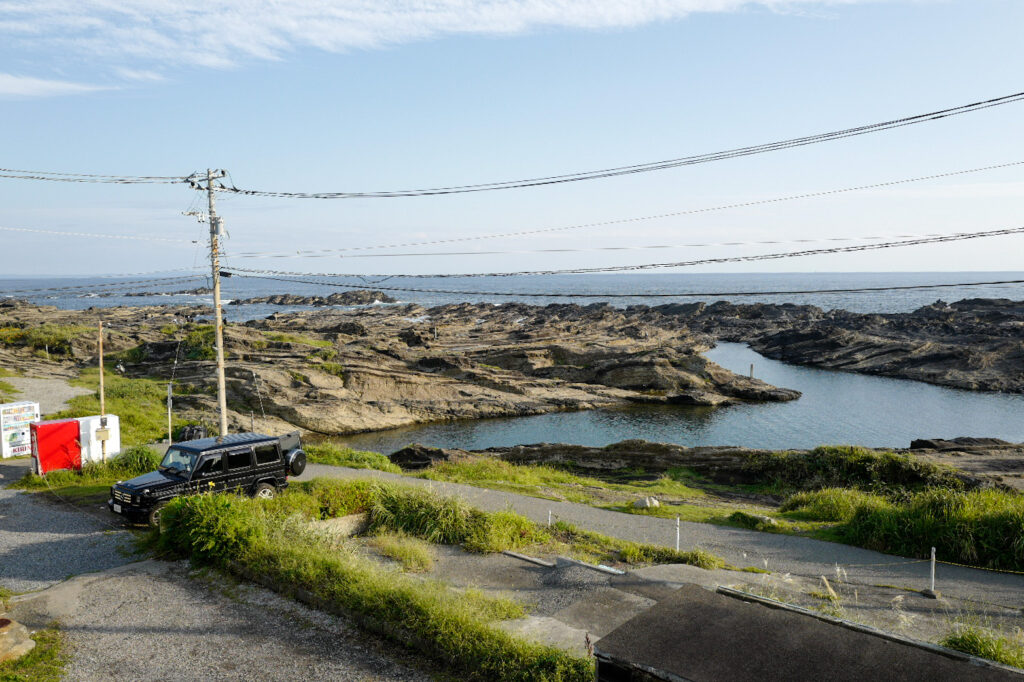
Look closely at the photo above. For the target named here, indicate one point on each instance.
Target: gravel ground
(156, 620)
(42, 544)
(779, 553)
(51, 394)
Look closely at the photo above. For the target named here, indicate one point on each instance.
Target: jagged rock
(646, 503)
(418, 456)
(15, 641)
(955, 443)
(350, 328)
(413, 337)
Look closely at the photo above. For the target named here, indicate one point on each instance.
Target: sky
(361, 95)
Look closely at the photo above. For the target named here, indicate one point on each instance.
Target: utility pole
(218, 317)
(170, 432)
(103, 398)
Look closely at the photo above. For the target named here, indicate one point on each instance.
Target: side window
(211, 464)
(267, 454)
(239, 459)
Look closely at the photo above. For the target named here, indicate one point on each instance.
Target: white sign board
(14, 421)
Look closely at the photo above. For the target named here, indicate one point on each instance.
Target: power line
(651, 166)
(520, 294)
(161, 281)
(99, 236)
(960, 236)
(110, 180)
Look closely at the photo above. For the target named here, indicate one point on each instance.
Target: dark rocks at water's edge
(344, 298)
(974, 344)
(978, 462)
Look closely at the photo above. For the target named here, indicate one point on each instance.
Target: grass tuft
(415, 555)
(976, 641)
(45, 663)
(336, 455)
(831, 504)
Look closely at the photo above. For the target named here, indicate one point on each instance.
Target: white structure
(14, 421)
(92, 448)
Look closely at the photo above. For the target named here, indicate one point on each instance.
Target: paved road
(783, 553)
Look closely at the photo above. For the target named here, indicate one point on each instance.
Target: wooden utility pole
(217, 313)
(103, 397)
(170, 432)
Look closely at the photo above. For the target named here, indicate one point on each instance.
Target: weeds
(140, 405)
(831, 504)
(45, 663)
(281, 337)
(52, 338)
(454, 628)
(974, 640)
(335, 455)
(415, 555)
(199, 343)
(334, 369)
(130, 463)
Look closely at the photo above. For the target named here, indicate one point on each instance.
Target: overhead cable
(110, 180)
(619, 221)
(650, 166)
(688, 294)
(161, 281)
(960, 236)
(99, 236)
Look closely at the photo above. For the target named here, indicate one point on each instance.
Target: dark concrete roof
(699, 635)
(216, 443)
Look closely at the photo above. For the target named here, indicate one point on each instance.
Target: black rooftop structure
(217, 442)
(696, 635)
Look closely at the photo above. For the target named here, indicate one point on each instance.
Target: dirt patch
(51, 394)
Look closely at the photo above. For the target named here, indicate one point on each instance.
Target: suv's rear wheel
(154, 515)
(264, 491)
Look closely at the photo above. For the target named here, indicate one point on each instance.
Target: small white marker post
(549, 518)
(931, 593)
(677, 533)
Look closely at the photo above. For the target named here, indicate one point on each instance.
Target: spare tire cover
(296, 462)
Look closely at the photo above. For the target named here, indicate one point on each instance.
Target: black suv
(250, 463)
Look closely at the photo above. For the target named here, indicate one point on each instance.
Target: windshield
(179, 461)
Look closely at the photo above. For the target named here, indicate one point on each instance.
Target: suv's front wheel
(154, 515)
(264, 491)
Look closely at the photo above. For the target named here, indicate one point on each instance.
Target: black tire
(154, 515)
(264, 491)
(296, 462)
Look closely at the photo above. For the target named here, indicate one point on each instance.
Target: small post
(677, 533)
(46, 346)
(751, 370)
(930, 592)
(549, 518)
(170, 431)
(103, 397)
(252, 422)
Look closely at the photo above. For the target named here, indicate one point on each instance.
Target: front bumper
(129, 510)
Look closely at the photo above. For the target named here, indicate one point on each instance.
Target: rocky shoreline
(339, 370)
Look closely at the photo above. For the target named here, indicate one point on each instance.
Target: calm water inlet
(836, 407)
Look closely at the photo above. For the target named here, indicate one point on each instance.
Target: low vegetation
(848, 466)
(45, 663)
(456, 628)
(974, 640)
(140, 405)
(413, 554)
(336, 455)
(831, 504)
(299, 339)
(7, 391)
(200, 343)
(48, 338)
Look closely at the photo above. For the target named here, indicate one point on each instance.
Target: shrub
(434, 518)
(832, 504)
(980, 527)
(211, 528)
(848, 466)
(500, 531)
(200, 343)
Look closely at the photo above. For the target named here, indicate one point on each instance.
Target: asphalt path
(778, 553)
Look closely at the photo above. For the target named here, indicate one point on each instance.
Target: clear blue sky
(359, 95)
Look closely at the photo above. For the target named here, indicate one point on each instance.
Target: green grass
(847, 466)
(976, 641)
(336, 455)
(200, 343)
(45, 663)
(980, 527)
(5, 597)
(830, 504)
(590, 546)
(414, 555)
(281, 337)
(140, 404)
(92, 484)
(454, 628)
(56, 338)
(333, 368)
(7, 391)
(557, 483)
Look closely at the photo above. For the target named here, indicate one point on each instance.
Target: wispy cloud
(228, 31)
(138, 74)
(12, 86)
